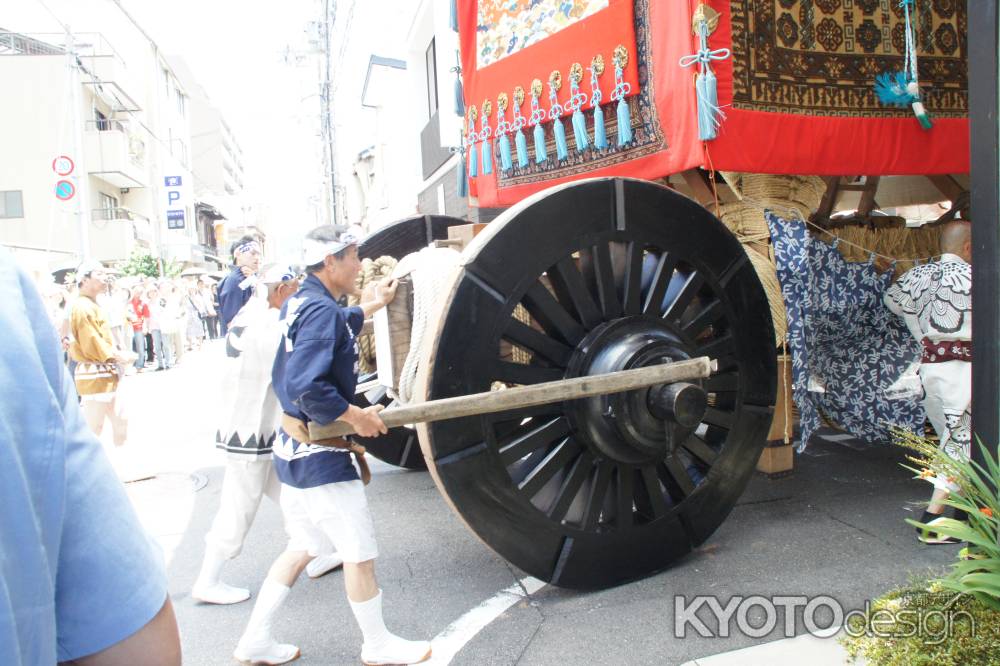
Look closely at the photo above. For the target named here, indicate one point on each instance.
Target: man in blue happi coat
(237, 287)
(314, 377)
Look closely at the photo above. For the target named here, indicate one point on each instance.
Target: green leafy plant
(145, 264)
(977, 571)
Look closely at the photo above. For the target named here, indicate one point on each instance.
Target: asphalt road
(834, 527)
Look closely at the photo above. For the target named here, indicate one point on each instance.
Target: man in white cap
(315, 375)
(250, 416)
(237, 287)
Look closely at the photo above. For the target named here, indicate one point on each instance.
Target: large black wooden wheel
(615, 274)
(399, 446)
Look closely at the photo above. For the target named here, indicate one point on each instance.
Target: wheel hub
(643, 425)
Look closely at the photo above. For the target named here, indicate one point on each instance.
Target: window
(101, 121)
(11, 204)
(181, 105)
(430, 62)
(108, 203)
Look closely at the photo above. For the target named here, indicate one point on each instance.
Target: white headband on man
(276, 274)
(315, 251)
(249, 246)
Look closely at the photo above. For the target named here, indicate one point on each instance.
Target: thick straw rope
(371, 271)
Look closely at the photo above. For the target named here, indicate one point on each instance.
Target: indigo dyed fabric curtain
(852, 359)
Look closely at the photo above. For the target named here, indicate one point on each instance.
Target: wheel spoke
(604, 275)
(570, 488)
(717, 348)
(537, 437)
(625, 487)
(683, 300)
(557, 459)
(552, 316)
(700, 450)
(537, 342)
(658, 288)
(519, 373)
(677, 476)
(595, 499)
(632, 299)
(718, 417)
(725, 382)
(569, 287)
(652, 501)
(704, 318)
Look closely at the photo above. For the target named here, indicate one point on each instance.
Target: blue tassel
(473, 162)
(521, 144)
(540, 153)
(600, 136)
(562, 151)
(580, 130)
(459, 97)
(461, 185)
(505, 162)
(708, 105)
(487, 157)
(624, 123)
(454, 15)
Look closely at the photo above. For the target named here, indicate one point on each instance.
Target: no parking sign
(65, 190)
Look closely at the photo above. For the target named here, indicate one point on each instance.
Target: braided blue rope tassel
(506, 164)
(461, 180)
(473, 162)
(537, 118)
(555, 115)
(600, 136)
(706, 87)
(622, 89)
(576, 102)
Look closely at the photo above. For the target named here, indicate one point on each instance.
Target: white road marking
(454, 637)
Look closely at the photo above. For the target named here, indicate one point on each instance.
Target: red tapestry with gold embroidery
(794, 84)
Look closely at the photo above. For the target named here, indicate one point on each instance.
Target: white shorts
(337, 512)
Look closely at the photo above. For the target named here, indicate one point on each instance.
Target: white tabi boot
(209, 589)
(256, 645)
(323, 564)
(382, 648)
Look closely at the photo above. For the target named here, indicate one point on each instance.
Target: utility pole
(82, 207)
(326, 108)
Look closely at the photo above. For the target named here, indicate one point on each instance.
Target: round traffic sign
(63, 165)
(65, 190)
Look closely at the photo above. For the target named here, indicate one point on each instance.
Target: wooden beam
(522, 397)
(947, 186)
(867, 202)
(701, 189)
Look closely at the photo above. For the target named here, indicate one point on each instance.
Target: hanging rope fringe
(472, 138)
(537, 119)
(555, 115)
(503, 128)
(520, 143)
(621, 91)
(600, 136)
(453, 17)
(576, 101)
(459, 94)
(461, 179)
(485, 132)
(902, 89)
(710, 116)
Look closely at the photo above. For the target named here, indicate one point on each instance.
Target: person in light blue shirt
(79, 579)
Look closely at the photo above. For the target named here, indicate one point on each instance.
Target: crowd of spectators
(158, 318)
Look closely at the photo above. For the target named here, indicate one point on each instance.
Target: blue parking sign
(172, 181)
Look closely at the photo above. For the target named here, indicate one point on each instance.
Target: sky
(237, 51)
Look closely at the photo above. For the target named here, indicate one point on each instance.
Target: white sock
(211, 567)
(269, 599)
(369, 617)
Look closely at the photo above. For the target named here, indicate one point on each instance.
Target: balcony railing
(117, 214)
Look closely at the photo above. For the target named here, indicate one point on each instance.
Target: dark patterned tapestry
(820, 56)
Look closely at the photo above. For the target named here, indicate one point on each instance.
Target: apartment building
(97, 161)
